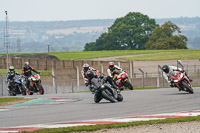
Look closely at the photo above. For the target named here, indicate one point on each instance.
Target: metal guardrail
(160, 68)
(142, 76)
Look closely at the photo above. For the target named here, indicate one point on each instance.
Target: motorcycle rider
(112, 70)
(84, 71)
(26, 71)
(168, 71)
(10, 75)
(94, 85)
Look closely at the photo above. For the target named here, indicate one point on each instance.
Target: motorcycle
(16, 86)
(121, 78)
(101, 89)
(180, 81)
(35, 85)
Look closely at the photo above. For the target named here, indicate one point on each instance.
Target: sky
(56, 10)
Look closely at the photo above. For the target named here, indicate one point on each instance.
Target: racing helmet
(90, 74)
(111, 65)
(86, 67)
(26, 65)
(165, 68)
(12, 70)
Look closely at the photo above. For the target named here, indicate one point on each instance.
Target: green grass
(141, 54)
(99, 54)
(167, 55)
(9, 99)
(117, 125)
(42, 72)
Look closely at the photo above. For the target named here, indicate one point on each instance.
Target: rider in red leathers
(168, 70)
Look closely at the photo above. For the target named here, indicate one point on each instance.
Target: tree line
(137, 31)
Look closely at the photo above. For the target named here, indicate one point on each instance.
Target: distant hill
(35, 36)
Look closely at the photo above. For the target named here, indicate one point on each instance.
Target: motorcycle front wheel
(40, 88)
(11, 93)
(128, 85)
(108, 96)
(187, 87)
(23, 90)
(119, 98)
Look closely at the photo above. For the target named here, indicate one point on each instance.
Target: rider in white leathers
(168, 71)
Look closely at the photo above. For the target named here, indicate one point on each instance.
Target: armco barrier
(63, 68)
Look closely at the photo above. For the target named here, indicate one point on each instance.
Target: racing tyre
(41, 89)
(108, 96)
(97, 98)
(23, 90)
(187, 87)
(119, 98)
(128, 84)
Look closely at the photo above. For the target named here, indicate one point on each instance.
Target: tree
(89, 46)
(129, 32)
(167, 36)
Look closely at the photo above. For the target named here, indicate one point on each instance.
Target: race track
(80, 106)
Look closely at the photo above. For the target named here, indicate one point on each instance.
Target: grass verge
(141, 54)
(4, 100)
(166, 55)
(116, 125)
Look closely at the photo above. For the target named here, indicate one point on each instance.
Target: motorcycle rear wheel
(187, 87)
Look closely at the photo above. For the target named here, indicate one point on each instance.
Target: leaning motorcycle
(16, 86)
(179, 80)
(119, 97)
(35, 85)
(121, 78)
(102, 90)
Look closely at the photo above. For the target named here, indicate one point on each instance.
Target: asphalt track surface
(80, 106)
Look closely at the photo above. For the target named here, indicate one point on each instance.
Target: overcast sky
(48, 10)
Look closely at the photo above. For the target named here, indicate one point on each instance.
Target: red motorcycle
(181, 81)
(122, 80)
(35, 85)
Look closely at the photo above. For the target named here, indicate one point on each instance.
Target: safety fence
(71, 80)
